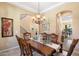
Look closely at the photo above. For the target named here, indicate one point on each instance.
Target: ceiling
(33, 6)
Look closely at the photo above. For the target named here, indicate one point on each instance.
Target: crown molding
(35, 11)
(52, 7)
(22, 7)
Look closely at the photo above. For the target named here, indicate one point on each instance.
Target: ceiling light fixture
(38, 18)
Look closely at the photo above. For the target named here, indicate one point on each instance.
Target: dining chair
(27, 35)
(44, 36)
(25, 47)
(20, 44)
(27, 51)
(54, 37)
(71, 49)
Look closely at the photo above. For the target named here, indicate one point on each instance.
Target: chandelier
(38, 18)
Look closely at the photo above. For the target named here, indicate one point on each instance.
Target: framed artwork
(7, 27)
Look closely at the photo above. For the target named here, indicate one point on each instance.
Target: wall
(74, 7)
(10, 11)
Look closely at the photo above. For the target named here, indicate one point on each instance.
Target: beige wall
(74, 7)
(13, 12)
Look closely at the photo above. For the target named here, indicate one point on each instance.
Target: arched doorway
(64, 23)
(64, 27)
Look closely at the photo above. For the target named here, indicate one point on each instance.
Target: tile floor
(15, 52)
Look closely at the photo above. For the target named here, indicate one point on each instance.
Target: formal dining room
(39, 28)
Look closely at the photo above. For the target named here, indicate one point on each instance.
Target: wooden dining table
(41, 48)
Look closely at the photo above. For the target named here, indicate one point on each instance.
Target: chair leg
(21, 54)
(61, 48)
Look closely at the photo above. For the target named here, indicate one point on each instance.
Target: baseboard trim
(8, 49)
